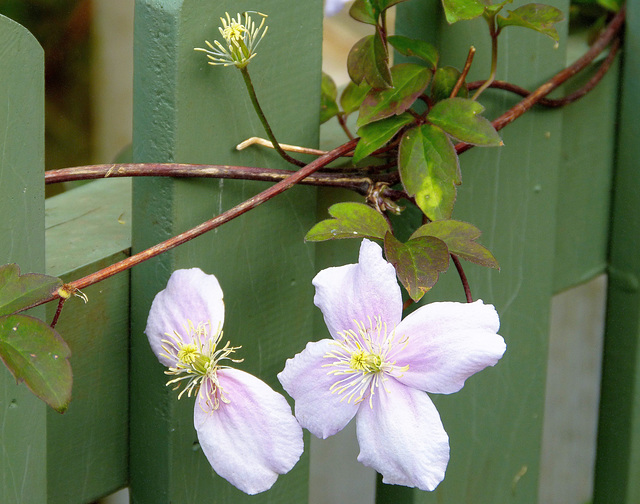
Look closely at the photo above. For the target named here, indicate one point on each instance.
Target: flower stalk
(491, 21)
(263, 119)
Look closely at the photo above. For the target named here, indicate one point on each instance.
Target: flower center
(241, 37)
(196, 358)
(188, 353)
(233, 32)
(362, 359)
(365, 361)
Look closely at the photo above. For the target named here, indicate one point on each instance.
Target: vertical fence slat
(22, 415)
(586, 172)
(495, 422)
(188, 111)
(89, 228)
(618, 451)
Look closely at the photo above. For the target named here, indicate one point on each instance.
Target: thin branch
(58, 312)
(407, 304)
(570, 98)
(356, 183)
(290, 148)
(245, 206)
(465, 71)
(343, 124)
(580, 64)
(491, 20)
(463, 278)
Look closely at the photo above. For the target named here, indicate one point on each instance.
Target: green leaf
(368, 60)
(492, 10)
(460, 239)
(429, 170)
(415, 47)
(444, 80)
(459, 117)
(351, 220)
(37, 355)
(365, 11)
(375, 135)
(328, 95)
(418, 262)
(538, 17)
(409, 82)
(612, 5)
(19, 291)
(385, 4)
(352, 96)
(458, 10)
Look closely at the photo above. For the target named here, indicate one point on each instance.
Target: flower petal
(359, 292)
(448, 342)
(401, 436)
(317, 409)
(190, 295)
(251, 439)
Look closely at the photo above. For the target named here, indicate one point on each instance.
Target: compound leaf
(538, 17)
(459, 117)
(429, 170)
(460, 238)
(458, 10)
(328, 95)
(415, 47)
(368, 60)
(350, 220)
(409, 80)
(19, 291)
(418, 262)
(377, 134)
(37, 355)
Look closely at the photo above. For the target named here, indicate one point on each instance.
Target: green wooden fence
(559, 204)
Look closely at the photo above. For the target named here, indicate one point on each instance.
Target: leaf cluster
(422, 258)
(33, 352)
(411, 115)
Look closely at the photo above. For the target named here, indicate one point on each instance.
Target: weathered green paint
(22, 415)
(188, 111)
(88, 229)
(495, 422)
(618, 450)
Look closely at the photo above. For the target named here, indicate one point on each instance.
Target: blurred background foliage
(63, 28)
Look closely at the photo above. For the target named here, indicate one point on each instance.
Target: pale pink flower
(245, 428)
(377, 368)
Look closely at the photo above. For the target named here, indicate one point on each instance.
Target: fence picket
(618, 449)
(188, 111)
(22, 415)
(495, 422)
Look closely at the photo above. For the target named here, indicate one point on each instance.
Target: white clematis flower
(245, 428)
(377, 368)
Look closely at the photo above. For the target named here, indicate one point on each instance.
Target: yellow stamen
(363, 359)
(196, 359)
